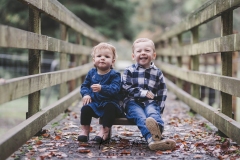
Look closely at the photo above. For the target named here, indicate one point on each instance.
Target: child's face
(143, 53)
(103, 59)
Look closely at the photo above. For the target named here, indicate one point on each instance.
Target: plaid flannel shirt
(137, 81)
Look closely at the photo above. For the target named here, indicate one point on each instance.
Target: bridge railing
(169, 50)
(31, 85)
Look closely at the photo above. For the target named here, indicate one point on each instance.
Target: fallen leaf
(84, 151)
(126, 152)
(57, 138)
(84, 145)
(225, 145)
(39, 142)
(198, 156)
(159, 153)
(46, 135)
(42, 149)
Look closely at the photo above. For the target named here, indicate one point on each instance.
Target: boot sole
(166, 144)
(154, 129)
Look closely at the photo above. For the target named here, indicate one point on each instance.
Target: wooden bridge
(171, 55)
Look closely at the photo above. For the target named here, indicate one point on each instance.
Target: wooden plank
(63, 88)
(225, 124)
(120, 121)
(227, 43)
(226, 58)
(225, 84)
(57, 11)
(19, 87)
(34, 61)
(17, 136)
(207, 12)
(11, 37)
(179, 61)
(195, 89)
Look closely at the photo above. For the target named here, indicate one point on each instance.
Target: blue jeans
(138, 113)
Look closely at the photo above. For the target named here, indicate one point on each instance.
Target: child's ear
(133, 57)
(154, 55)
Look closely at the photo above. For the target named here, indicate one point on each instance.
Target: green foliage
(55, 124)
(13, 15)
(111, 18)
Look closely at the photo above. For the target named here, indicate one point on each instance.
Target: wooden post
(179, 61)
(226, 58)
(63, 61)
(79, 59)
(89, 43)
(34, 60)
(195, 89)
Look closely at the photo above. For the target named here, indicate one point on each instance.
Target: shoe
(83, 138)
(84, 135)
(154, 128)
(105, 131)
(166, 144)
(100, 140)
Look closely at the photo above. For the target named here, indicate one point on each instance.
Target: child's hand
(150, 95)
(86, 99)
(96, 87)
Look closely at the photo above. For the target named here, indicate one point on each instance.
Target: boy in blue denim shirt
(145, 93)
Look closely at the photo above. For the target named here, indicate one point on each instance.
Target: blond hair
(104, 45)
(143, 40)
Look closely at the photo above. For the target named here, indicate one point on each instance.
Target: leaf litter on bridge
(196, 138)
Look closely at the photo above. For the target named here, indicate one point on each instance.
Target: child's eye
(98, 56)
(107, 56)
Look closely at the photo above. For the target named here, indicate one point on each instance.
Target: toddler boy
(145, 93)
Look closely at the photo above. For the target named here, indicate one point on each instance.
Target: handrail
(172, 52)
(57, 11)
(32, 84)
(17, 38)
(208, 11)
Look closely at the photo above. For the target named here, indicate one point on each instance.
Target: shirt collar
(152, 66)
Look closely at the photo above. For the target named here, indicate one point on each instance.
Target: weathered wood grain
(16, 38)
(57, 11)
(17, 136)
(225, 124)
(207, 12)
(225, 84)
(227, 43)
(19, 87)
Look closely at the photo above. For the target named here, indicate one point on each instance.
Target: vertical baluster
(179, 61)
(226, 58)
(79, 59)
(34, 60)
(63, 61)
(195, 89)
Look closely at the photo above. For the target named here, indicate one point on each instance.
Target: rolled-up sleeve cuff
(143, 93)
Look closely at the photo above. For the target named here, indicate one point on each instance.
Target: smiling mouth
(144, 58)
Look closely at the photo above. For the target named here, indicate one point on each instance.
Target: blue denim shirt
(110, 87)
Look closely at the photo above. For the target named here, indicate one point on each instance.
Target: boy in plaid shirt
(145, 93)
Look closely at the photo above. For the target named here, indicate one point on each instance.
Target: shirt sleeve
(162, 91)
(85, 87)
(129, 88)
(113, 88)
